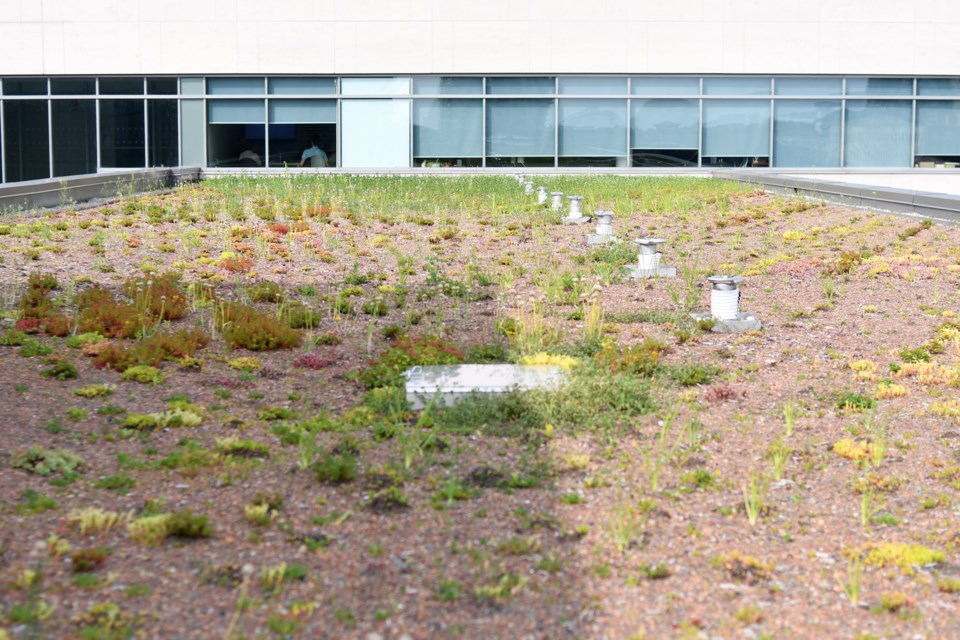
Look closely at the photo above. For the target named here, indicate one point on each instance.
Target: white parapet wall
(100, 37)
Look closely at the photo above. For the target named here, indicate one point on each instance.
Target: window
(938, 131)
(72, 86)
(375, 86)
(122, 134)
(121, 86)
(296, 124)
(74, 137)
(162, 86)
(879, 87)
(658, 86)
(808, 86)
(736, 133)
(162, 126)
(520, 86)
(665, 133)
(302, 86)
(447, 86)
(736, 86)
(26, 140)
(25, 86)
(806, 133)
(593, 133)
(520, 132)
(877, 133)
(588, 86)
(236, 133)
(234, 86)
(448, 132)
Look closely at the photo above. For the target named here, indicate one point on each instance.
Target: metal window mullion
(770, 148)
(146, 125)
(97, 110)
(266, 133)
(339, 162)
(556, 132)
(629, 121)
(913, 126)
(179, 127)
(843, 122)
(483, 124)
(206, 160)
(700, 127)
(3, 146)
(146, 133)
(49, 137)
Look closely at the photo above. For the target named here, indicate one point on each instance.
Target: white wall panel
(490, 36)
(31, 11)
(680, 47)
(14, 40)
(406, 44)
(482, 46)
(9, 11)
(54, 47)
(274, 59)
(73, 11)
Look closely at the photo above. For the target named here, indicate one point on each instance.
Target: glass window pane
(520, 86)
(665, 124)
(447, 86)
(162, 123)
(808, 86)
(235, 111)
(234, 86)
(375, 86)
(25, 86)
(376, 133)
(122, 134)
(806, 133)
(519, 128)
(655, 86)
(593, 127)
(72, 86)
(74, 137)
(738, 128)
(736, 86)
(302, 86)
(191, 86)
(877, 133)
(879, 87)
(191, 133)
(598, 86)
(121, 86)
(26, 140)
(938, 87)
(447, 128)
(162, 86)
(303, 111)
(292, 144)
(938, 128)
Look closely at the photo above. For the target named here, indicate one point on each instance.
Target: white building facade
(100, 84)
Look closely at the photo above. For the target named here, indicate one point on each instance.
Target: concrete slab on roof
(451, 383)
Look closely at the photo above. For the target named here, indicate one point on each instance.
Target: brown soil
(389, 571)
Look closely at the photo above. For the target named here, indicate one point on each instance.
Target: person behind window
(250, 154)
(315, 155)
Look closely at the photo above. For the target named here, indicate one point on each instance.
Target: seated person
(250, 154)
(316, 155)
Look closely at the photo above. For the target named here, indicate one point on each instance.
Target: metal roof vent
(648, 260)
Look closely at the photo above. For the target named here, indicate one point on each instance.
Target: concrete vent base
(596, 238)
(635, 271)
(745, 321)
